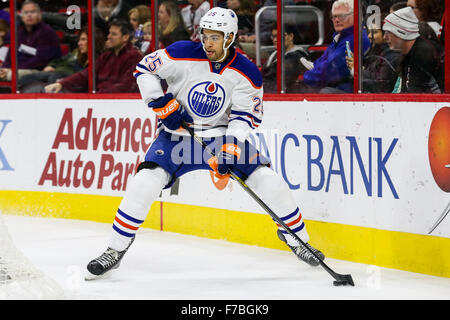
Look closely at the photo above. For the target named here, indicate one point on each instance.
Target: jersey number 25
(153, 61)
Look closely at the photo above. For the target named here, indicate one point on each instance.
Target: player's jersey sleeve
(246, 110)
(149, 72)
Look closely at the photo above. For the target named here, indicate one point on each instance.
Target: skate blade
(89, 276)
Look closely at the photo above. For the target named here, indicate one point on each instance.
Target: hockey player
(218, 92)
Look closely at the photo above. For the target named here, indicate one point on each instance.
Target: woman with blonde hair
(139, 15)
(170, 24)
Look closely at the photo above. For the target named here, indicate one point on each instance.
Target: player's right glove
(170, 111)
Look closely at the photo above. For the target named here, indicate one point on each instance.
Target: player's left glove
(170, 111)
(225, 159)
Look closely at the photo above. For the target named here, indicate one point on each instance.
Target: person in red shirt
(113, 68)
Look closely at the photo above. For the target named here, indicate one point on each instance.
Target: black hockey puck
(340, 283)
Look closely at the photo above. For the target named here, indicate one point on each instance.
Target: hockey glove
(170, 111)
(225, 160)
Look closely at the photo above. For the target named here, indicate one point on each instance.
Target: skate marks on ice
(164, 265)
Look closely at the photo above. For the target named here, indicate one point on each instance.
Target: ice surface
(171, 266)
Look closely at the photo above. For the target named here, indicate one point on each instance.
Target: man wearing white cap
(421, 68)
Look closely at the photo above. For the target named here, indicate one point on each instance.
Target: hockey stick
(341, 279)
(444, 213)
(441, 218)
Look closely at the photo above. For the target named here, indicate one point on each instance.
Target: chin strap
(225, 52)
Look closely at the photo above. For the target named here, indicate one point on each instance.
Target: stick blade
(344, 280)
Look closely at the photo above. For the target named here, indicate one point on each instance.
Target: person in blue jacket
(329, 73)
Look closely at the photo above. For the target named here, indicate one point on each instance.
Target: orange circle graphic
(439, 148)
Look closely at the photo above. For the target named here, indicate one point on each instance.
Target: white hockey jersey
(222, 98)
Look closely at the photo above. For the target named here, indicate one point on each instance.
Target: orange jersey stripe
(245, 76)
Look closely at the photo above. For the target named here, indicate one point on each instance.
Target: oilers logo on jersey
(206, 98)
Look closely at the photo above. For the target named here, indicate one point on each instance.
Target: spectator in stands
(329, 73)
(4, 35)
(266, 20)
(146, 38)
(4, 15)
(74, 61)
(113, 68)
(421, 70)
(37, 43)
(4, 44)
(139, 15)
(191, 15)
(171, 27)
(245, 12)
(107, 10)
(429, 12)
(380, 64)
(292, 65)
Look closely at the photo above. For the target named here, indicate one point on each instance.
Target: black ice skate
(303, 253)
(110, 259)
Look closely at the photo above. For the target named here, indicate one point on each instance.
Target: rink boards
(369, 177)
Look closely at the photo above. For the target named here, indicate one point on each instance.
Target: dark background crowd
(52, 43)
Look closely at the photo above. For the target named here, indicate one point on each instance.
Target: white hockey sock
(141, 192)
(275, 192)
